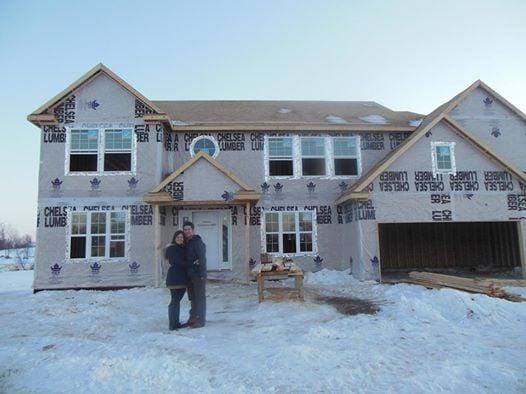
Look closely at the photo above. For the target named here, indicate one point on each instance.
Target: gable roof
(440, 113)
(202, 155)
(358, 190)
(40, 113)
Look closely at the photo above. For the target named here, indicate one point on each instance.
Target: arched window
(206, 144)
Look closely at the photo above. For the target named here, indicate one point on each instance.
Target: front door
(215, 228)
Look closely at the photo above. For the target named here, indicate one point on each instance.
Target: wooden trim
(247, 196)
(157, 245)
(86, 77)
(352, 196)
(159, 197)
(42, 118)
(247, 239)
(191, 162)
(156, 118)
(521, 230)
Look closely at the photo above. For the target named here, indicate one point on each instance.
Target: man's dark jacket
(196, 256)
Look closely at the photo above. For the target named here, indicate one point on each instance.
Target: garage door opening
(461, 246)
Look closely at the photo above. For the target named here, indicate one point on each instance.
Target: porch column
(521, 227)
(157, 244)
(247, 239)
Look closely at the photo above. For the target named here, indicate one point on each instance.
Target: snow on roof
(284, 110)
(416, 122)
(335, 119)
(376, 119)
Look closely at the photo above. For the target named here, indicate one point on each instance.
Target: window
(443, 157)
(289, 232)
(112, 146)
(206, 144)
(117, 150)
(97, 235)
(313, 156)
(280, 157)
(84, 150)
(345, 156)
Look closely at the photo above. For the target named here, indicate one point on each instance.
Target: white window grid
(340, 155)
(434, 158)
(109, 234)
(296, 231)
(196, 140)
(308, 154)
(100, 151)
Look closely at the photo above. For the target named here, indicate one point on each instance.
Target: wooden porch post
(157, 244)
(521, 227)
(247, 239)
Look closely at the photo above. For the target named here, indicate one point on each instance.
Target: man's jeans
(197, 295)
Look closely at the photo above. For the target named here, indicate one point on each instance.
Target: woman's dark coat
(176, 275)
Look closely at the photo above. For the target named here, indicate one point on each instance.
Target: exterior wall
(495, 124)
(59, 193)
(243, 154)
(480, 191)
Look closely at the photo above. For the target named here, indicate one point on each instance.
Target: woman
(176, 278)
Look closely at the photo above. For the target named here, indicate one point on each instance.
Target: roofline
(289, 127)
(411, 140)
(85, 78)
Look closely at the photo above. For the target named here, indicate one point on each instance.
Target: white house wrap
(376, 191)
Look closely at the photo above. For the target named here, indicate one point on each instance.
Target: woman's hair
(176, 234)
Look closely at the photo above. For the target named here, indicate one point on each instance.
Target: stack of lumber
(490, 287)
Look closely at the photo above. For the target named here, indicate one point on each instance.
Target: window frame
(434, 158)
(101, 150)
(358, 157)
(204, 137)
(324, 156)
(108, 236)
(268, 157)
(297, 167)
(297, 232)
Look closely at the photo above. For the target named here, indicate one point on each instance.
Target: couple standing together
(187, 257)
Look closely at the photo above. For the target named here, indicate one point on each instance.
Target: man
(195, 257)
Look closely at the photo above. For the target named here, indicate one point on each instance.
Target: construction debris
(490, 287)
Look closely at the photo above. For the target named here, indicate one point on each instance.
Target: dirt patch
(349, 305)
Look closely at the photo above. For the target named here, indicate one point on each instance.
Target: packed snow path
(118, 342)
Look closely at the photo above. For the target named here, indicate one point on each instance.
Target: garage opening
(460, 246)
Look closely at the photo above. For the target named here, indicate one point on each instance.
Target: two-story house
(333, 184)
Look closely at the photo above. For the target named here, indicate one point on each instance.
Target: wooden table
(296, 292)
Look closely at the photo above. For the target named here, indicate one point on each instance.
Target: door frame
(188, 214)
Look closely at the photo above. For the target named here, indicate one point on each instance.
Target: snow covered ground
(117, 342)
(11, 258)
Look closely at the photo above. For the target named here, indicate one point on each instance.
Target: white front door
(211, 227)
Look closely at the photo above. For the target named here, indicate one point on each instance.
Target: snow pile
(335, 119)
(376, 119)
(420, 341)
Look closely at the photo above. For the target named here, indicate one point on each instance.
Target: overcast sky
(407, 55)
